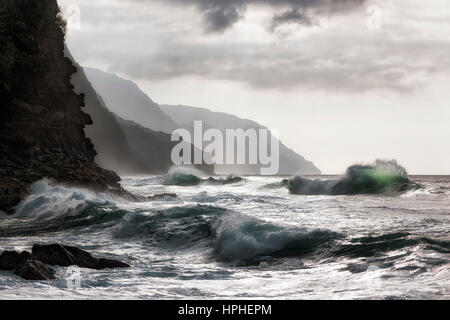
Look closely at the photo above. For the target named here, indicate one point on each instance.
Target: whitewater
(241, 237)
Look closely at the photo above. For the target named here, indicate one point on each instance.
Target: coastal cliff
(122, 145)
(41, 123)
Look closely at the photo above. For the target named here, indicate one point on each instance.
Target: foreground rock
(61, 255)
(25, 265)
(9, 260)
(32, 266)
(34, 270)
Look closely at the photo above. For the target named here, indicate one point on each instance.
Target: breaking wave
(371, 246)
(224, 235)
(48, 200)
(277, 185)
(215, 232)
(381, 177)
(181, 176)
(245, 240)
(232, 236)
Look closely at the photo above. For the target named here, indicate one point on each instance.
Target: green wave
(381, 177)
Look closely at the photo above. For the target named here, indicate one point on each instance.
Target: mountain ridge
(291, 162)
(124, 96)
(122, 145)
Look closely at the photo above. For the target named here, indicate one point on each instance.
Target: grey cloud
(218, 19)
(219, 15)
(142, 46)
(292, 16)
(262, 66)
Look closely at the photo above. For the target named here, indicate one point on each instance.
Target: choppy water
(240, 239)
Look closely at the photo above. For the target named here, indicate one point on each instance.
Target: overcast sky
(344, 81)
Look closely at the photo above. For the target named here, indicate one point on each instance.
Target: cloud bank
(290, 45)
(219, 15)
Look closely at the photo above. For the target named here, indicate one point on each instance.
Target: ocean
(237, 239)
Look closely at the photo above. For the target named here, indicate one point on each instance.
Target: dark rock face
(9, 260)
(41, 121)
(25, 265)
(34, 270)
(110, 264)
(54, 254)
(83, 258)
(61, 255)
(32, 266)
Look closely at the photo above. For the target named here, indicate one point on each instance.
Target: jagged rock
(31, 266)
(25, 265)
(109, 264)
(83, 258)
(61, 255)
(9, 260)
(33, 269)
(54, 254)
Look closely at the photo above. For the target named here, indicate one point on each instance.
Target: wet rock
(9, 260)
(83, 258)
(33, 269)
(25, 255)
(32, 266)
(61, 255)
(25, 265)
(109, 264)
(54, 254)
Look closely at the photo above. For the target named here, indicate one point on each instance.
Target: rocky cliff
(41, 122)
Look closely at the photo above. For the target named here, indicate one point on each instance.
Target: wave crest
(245, 240)
(380, 177)
(232, 237)
(49, 200)
(182, 176)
